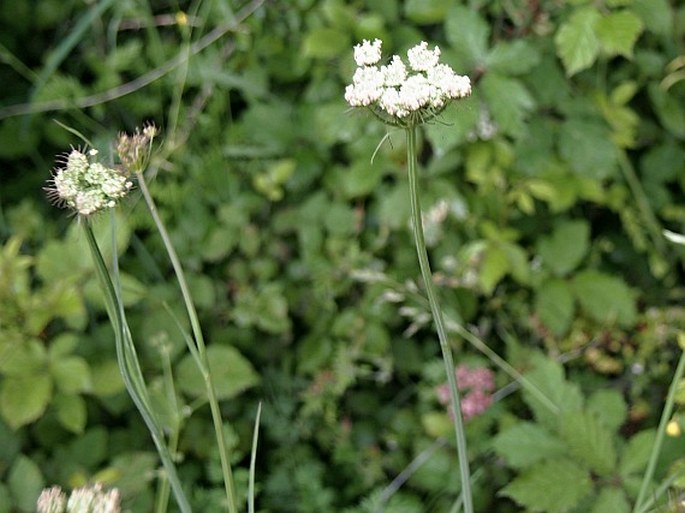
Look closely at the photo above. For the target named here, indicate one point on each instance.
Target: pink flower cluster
(477, 385)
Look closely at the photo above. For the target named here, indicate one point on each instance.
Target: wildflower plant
(87, 499)
(88, 187)
(406, 95)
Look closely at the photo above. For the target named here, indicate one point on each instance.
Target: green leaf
(555, 305)
(71, 374)
(669, 109)
(554, 486)
(467, 32)
(618, 31)
(426, 11)
(25, 483)
(231, 373)
(576, 41)
(609, 408)
(24, 399)
(454, 126)
(587, 148)
(509, 102)
(516, 57)
(604, 298)
(325, 43)
(589, 441)
(562, 251)
(526, 443)
(494, 267)
(548, 378)
(71, 412)
(657, 15)
(636, 453)
(20, 358)
(106, 379)
(611, 499)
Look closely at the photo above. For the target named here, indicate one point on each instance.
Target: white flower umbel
(86, 185)
(401, 94)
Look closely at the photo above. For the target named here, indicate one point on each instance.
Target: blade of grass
(132, 379)
(253, 461)
(661, 430)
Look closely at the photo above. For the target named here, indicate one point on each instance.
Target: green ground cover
(545, 196)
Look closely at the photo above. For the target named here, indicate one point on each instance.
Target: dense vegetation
(546, 193)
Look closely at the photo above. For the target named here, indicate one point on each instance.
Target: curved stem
(201, 348)
(422, 254)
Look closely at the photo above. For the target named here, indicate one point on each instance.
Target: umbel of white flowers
(400, 94)
(86, 185)
(89, 499)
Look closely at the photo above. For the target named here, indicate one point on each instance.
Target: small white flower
(52, 500)
(368, 53)
(395, 73)
(366, 87)
(421, 58)
(416, 92)
(390, 102)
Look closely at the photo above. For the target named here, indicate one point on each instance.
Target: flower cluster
(86, 185)
(401, 93)
(477, 385)
(89, 499)
(134, 150)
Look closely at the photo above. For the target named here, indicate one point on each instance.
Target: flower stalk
(422, 254)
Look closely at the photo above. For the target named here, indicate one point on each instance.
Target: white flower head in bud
(402, 93)
(368, 53)
(85, 185)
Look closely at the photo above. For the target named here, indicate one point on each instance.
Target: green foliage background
(545, 196)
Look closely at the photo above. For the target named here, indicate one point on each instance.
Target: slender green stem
(199, 341)
(130, 373)
(422, 254)
(661, 430)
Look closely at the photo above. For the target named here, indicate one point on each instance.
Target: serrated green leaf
(71, 374)
(605, 298)
(555, 305)
(25, 482)
(71, 412)
(548, 377)
(636, 453)
(611, 500)
(609, 408)
(24, 399)
(20, 358)
(554, 486)
(513, 57)
(587, 148)
(231, 373)
(467, 32)
(576, 41)
(589, 441)
(526, 443)
(563, 251)
(325, 43)
(618, 31)
(509, 102)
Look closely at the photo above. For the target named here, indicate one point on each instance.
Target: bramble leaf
(618, 31)
(576, 41)
(553, 486)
